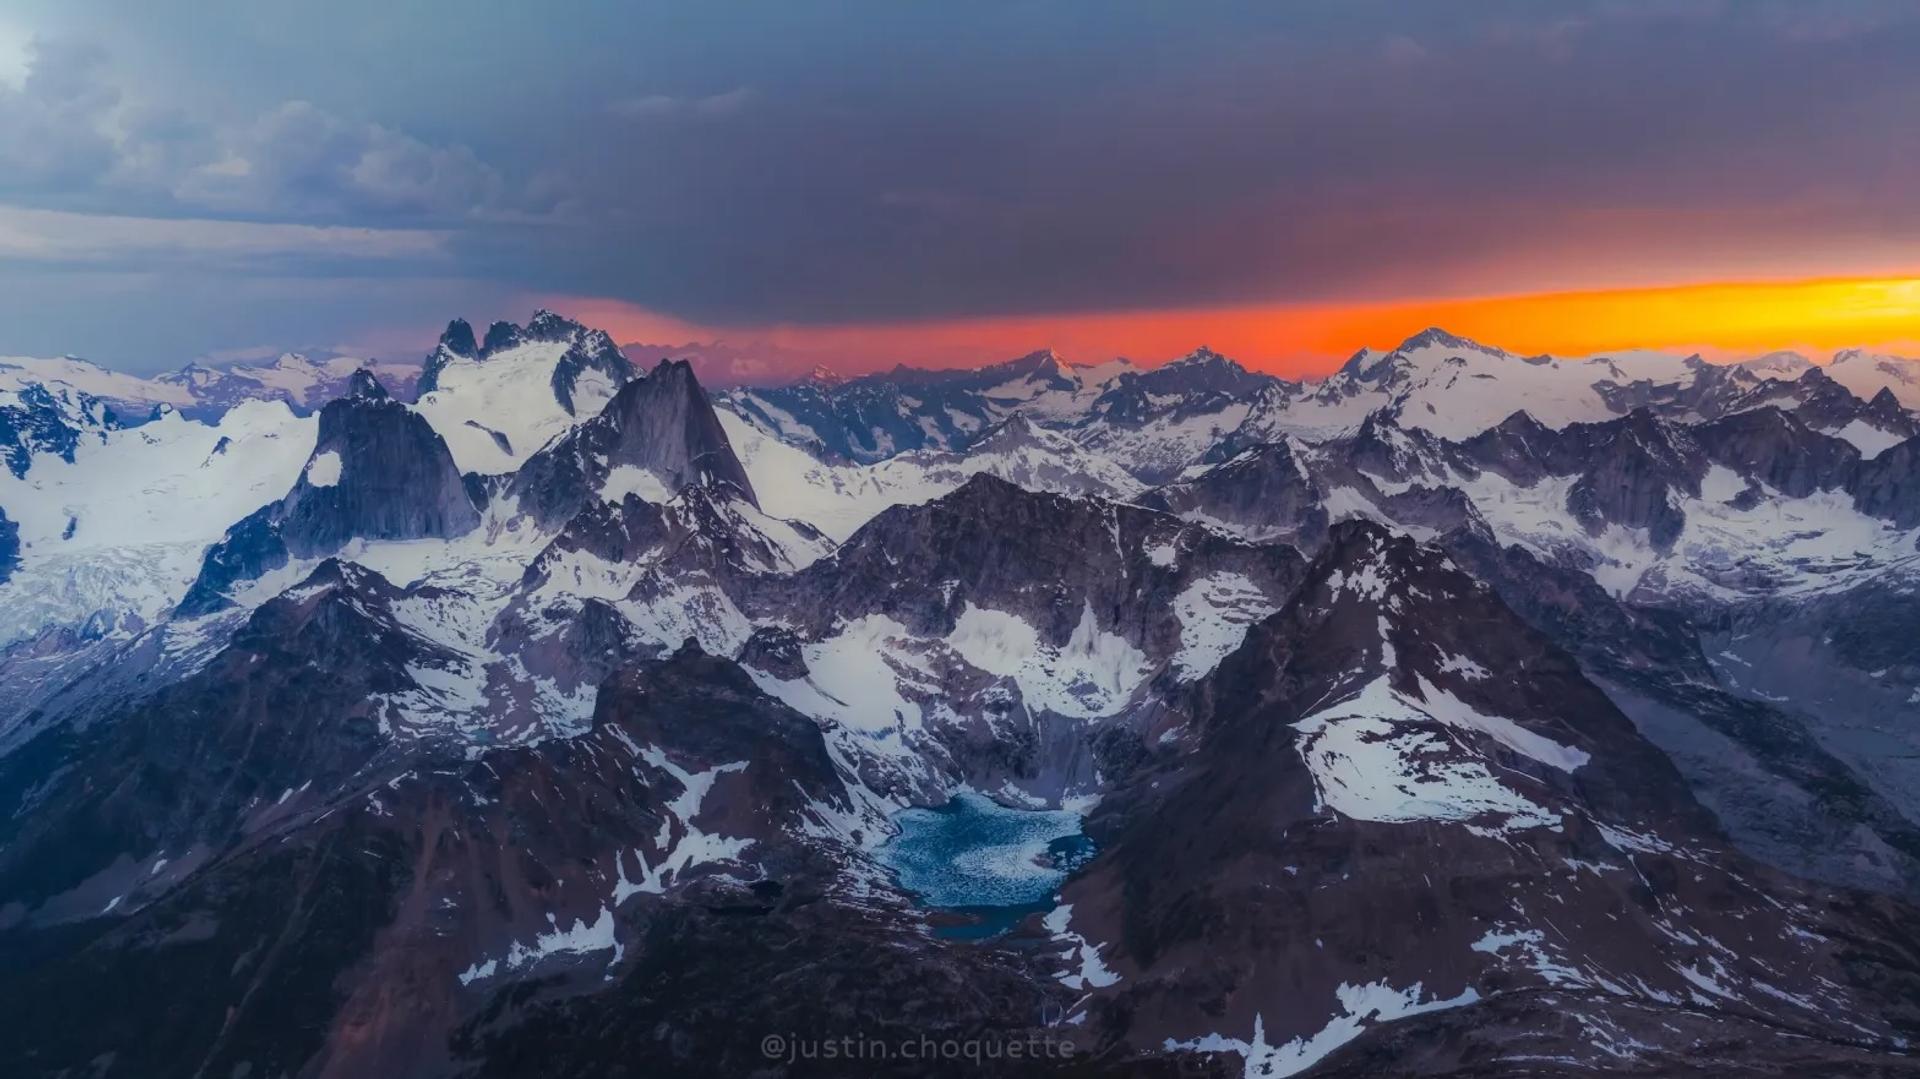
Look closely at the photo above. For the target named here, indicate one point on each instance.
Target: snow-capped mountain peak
(1204, 356)
(1866, 373)
(822, 375)
(1435, 339)
(521, 387)
(458, 338)
(1782, 365)
(363, 383)
(546, 325)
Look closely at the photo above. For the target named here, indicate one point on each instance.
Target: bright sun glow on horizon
(1718, 319)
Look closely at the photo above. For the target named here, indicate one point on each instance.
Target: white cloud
(52, 133)
(64, 237)
(300, 158)
(68, 137)
(16, 51)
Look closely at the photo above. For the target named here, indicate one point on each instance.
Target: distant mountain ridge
(1434, 380)
(205, 391)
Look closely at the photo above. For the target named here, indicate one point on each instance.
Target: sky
(862, 184)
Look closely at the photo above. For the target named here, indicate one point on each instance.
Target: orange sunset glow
(1720, 318)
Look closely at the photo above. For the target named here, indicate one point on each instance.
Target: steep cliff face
(456, 344)
(658, 430)
(378, 472)
(1264, 492)
(1889, 485)
(1778, 449)
(9, 546)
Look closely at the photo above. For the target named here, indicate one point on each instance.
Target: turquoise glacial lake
(977, 858)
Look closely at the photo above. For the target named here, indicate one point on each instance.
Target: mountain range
(531, 709)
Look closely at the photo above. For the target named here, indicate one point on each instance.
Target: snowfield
(121, 529)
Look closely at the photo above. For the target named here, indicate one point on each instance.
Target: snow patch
(633, 480)
(1871, 441)
(1215, 613)
(1093, 674)
(1447, 708)
(1375, 757)
(324, 471)
(1085, 969)
(1361, 1006)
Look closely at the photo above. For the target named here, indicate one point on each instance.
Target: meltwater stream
(977, 858)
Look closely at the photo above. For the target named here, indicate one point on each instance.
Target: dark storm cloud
(742, 164)
(1031, 163)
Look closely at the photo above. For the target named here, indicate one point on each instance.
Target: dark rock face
(1885, 411)
(9, 546)
(1441, 509)
(1711, 391)
(594, 351)
(1435, 337)
(502, 336)
(1043, 557)
(704, 542)
(458, 338)
(378, 471)
(1628, 467)
(1778, 449)
(1631, 467)
(1080, 575)
(366, 386)
(288, 701)
(621, 531)
(1264, 492)
(1518, 448)
(661, 424)
(456, 343)
(1628, 470)
(1823, 404)
(1383, 449)
(775, 650)
(36, 421)
(395, 479)
(1888, 486)
(1705, 393)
